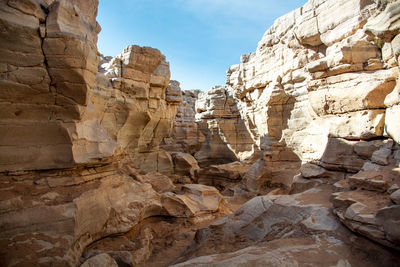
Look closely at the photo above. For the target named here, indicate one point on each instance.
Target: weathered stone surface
(387, 23)
(49, 64)
(395, 197)
(186, 135)
(392, 124)
(59, 113)
(366, 206)
(49, 218)
(101, 260)
(329, 81)
(195, 200)
(137, 106)
(224, 176)
(319, 97)
(185, 164)
(226, 137)
(280, 231)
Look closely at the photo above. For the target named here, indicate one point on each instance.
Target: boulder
(101, 260)
(279, 230)
(185, 164)
(195, 200)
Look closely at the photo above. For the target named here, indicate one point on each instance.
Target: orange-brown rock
(226, 137)
(48, 67)
(283, 230)
(186, 135)
(319, 97)
(136, 106)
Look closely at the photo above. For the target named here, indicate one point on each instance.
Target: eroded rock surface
(137, 105)
(48, 67)
(312, 115)
(66, 130)
(186, 135)
(299, 229)
(319, 98)
(226, 137)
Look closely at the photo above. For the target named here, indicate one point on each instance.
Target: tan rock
(224, 176)
(392, 125)
(144, 105)
(226, 136)
(381, 156)
(186, 135)
(101, 260)
(387, 23)
(159, 182)
(54, 73)
(368, 93)
(357, 125)
(367, 212)
(185, 164)
(371, 180)
(265, 231)
(395, 197)
(57, 213)
(339, 155)
(196, 200)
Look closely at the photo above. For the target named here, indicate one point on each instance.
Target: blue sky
(200, 38)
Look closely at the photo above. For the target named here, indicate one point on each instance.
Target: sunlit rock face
(321, 71)
(66, 129)
(186, 135)
(48, 67)
(226, 136)
(320, 97)
(137, 105)
(49, 112)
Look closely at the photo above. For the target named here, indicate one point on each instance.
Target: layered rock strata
(71, 135)
(186, 136)
(48, 68)
(136, 105)
(319, 97)
(317, 79)
(295, 230)
(226, 137)
(317, 104)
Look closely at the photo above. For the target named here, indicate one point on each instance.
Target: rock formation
(226, 137)
(96, 169)
(295, 230)
(186, 136)
(71, 135)
(319, 98)
(49, 65)
(136, 105)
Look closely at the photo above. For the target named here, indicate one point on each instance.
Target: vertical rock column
(136, 105)
(49, 64)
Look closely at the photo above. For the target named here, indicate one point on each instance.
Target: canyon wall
(186, 135)
(55, 112)
(136, 104)
(226, 136)
(72, 133)
(317, 76)
(320, 100)
(314, 108)
(49, 65)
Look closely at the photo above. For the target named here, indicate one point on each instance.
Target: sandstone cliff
(186, 135)
(71, 134)
(49, 65)
(136, 105)
(83, 145)
(320, 97)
